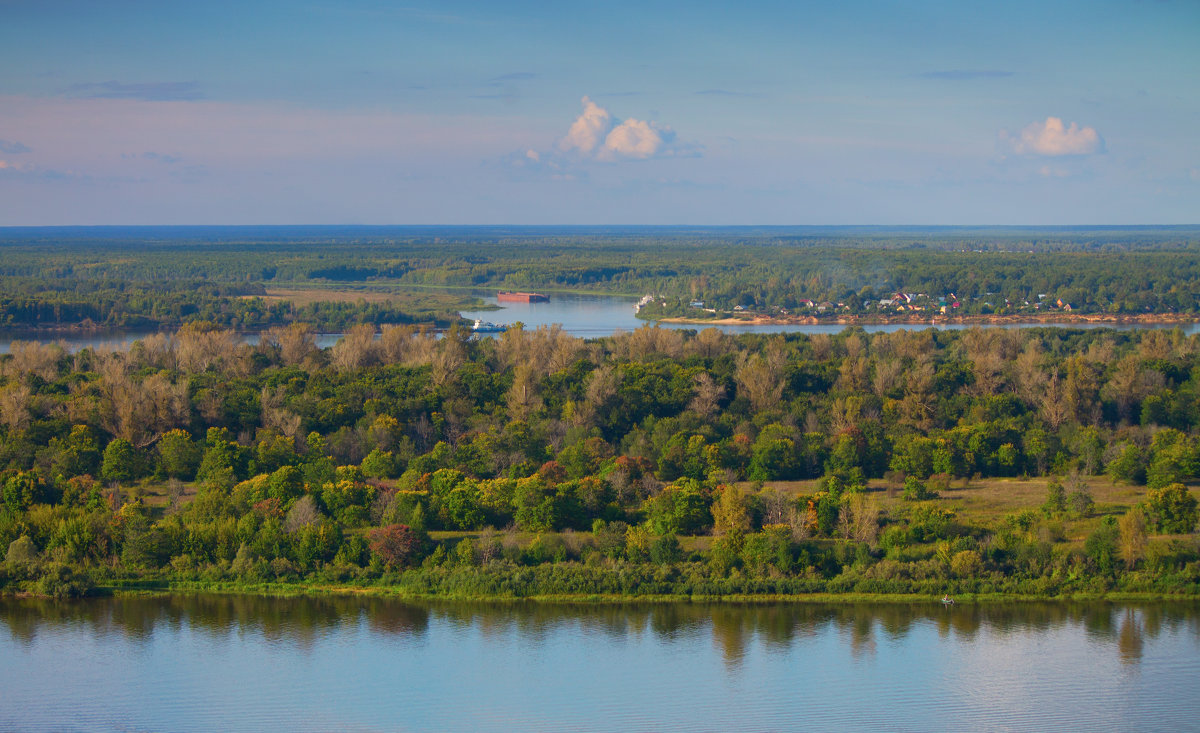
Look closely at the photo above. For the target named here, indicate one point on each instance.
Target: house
(696, 304)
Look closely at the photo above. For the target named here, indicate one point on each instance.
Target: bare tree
(886, 377)
(711, 343)
(707, 396)
(761, 380)
(1027, 375)
(862, 518)
(304, 512)
(844, 413)
(200, 346)
(156, 350)
(355, 350)
(450, 355)
(295, 343)
(1053, 409)
(276, 416)
(138, 412)
(523, 399)
(33, 358)
(394, 343)
(16, 401)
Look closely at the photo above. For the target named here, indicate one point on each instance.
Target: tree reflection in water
(733, 627)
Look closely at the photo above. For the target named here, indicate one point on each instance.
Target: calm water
(590, 316)
(204, 663)
(585, 316)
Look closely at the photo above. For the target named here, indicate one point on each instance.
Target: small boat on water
(947, 601)
(487, 327)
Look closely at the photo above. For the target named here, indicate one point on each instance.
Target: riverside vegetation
(151, 278)
(651, 463)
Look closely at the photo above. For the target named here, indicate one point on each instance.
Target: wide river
(585, 316)
(239, 663)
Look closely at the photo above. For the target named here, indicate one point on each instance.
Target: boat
(487, 327)
(947, 601)
(506, 296)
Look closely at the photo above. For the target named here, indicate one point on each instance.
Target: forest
(158, 278)
(651, 463)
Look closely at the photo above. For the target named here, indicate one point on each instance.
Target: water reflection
(224, 662)
(734, 628)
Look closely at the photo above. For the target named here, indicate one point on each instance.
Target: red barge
(509, 297)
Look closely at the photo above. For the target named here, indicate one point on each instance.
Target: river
(585, 316)
(234, 663)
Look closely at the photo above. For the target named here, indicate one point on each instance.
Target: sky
(699, 113)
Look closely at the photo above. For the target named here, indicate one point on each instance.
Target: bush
(398, 545)
(63, 581)
(916, 490)
(1171, 509)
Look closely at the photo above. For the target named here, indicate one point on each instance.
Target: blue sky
(315, 111)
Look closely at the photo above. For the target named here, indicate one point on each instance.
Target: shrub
(398, 545)
(1171, 509)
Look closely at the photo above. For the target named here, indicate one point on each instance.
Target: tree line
(646, 462)
(152, 277)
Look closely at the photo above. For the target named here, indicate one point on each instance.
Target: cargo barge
(509, 297)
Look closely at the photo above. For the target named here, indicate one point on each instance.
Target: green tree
(1101, 545)
(76, 455)
(1171, 509)
(122, 463)
(681, 508)
(24, 489)
(179, 455)
(1056, 498)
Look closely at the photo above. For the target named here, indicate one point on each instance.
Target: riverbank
(300, 590)
(1135, 319)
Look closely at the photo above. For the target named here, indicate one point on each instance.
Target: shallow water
(206, 662)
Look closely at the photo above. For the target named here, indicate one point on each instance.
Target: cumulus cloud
(597, 135)
(13, 147)
(588, 130)
(1052, 139)
(636, 139)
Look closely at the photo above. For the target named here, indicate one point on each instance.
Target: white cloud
(588, 130)
(597, 135)
(635, 139)
(1052, 139)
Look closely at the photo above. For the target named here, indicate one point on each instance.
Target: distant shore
(939, 320)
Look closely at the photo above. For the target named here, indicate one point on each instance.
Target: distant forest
(163, 277)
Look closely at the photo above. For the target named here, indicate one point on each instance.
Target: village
(899, 304)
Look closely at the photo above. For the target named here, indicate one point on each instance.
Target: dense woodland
(161, 277)
(644, 463)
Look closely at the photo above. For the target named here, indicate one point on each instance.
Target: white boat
(487, 327)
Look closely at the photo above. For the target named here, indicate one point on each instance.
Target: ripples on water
(243, 663)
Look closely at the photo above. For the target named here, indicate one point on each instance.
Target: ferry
(487, 327)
